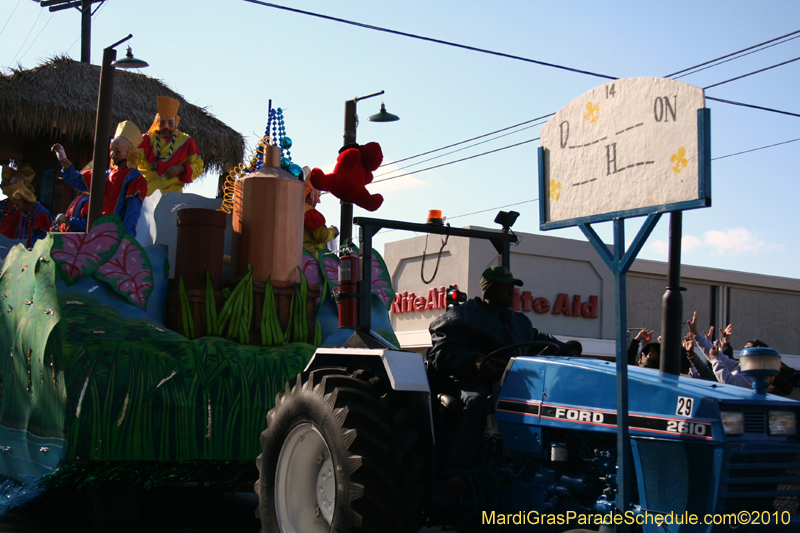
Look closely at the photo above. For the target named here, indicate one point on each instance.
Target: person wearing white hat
(168, 158)
(34, 219)
(125, 188)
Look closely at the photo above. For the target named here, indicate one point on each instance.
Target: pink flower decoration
(311, 270)
(379, 285)
(126, 272)
(80, 253)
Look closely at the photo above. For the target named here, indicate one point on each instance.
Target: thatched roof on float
(62, 94)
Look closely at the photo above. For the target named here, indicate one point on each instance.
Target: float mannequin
(168, 158)
(34, 219)
(125, 186)
(13, 180)
(316, 235)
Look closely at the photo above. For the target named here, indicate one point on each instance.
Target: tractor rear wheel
(336, 457)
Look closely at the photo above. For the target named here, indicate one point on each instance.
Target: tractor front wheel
(335, 458)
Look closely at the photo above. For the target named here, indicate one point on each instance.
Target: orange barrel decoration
(201, 244)
(268, 224)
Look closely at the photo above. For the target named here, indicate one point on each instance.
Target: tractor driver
(462, 336)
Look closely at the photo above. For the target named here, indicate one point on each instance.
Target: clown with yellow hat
(168, 158)
(125, 187)
(13, 179)
(34, 219)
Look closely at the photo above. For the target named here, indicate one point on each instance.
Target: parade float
(138, 362)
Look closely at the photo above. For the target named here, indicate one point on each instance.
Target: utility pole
(85, 7)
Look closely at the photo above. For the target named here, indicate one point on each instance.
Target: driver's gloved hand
(489, 369)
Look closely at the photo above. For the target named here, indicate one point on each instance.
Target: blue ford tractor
(353, 444)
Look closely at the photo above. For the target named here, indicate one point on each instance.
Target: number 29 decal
(684, 407)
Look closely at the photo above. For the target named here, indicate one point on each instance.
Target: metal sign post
(628, 148)
(619, 261)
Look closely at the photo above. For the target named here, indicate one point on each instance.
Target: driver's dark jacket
(473, 329)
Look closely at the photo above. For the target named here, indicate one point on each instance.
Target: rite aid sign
(564, 304)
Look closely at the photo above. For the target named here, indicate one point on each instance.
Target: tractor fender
(404, 370)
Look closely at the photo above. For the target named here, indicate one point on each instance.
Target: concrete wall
(768, 316)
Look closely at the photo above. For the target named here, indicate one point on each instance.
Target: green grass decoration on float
(271, 334)
(211, 304)
(138, 392)
(297, 329)
(186, 311)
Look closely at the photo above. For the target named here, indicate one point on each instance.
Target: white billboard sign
(627, 148)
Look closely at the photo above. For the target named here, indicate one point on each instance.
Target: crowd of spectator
(718, 362)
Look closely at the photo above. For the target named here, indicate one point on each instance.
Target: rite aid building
(568, 291)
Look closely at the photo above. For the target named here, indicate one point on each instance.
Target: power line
(734, 58)
(37, 37)
(430, 39)
(543, 116)
(731, 54)
(755, 149)
(493, 208)
(481, 50)
(101, 6)
(536, 139)
(468, 140)
(482, 211)
(753, 106)
(26, 38)
(9, 17)
(751, 73)
(669, 75)
(536, 199)
(458, 150)
(459, 160)
(510, 56)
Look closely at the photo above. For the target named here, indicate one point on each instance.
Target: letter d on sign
(589, 309)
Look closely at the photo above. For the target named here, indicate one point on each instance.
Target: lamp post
(350, 125)
(102, 126)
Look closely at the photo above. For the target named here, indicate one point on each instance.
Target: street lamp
(103, 125)
(383, 116)
(350, 124)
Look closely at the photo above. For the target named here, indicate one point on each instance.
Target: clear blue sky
(232, 57)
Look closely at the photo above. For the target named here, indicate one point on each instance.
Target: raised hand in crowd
(688, 343)
(726, 333)
(693, 324)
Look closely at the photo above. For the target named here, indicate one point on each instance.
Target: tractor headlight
(782, 423)
(733, 422)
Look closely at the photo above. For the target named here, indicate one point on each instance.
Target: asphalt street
(173, 509)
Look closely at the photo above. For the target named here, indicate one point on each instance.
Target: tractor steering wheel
(543, 346)
(500, 364)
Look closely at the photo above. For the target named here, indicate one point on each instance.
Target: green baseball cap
(498, 274)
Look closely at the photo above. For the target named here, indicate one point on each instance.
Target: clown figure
(125, 187)
(34, 218)
(168, 158)
(316, 235)
(13, 180)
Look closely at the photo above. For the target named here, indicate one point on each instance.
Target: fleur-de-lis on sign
(555, 189)
(679, 160)
(591, 112)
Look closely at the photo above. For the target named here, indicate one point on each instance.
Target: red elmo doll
(353, 171)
